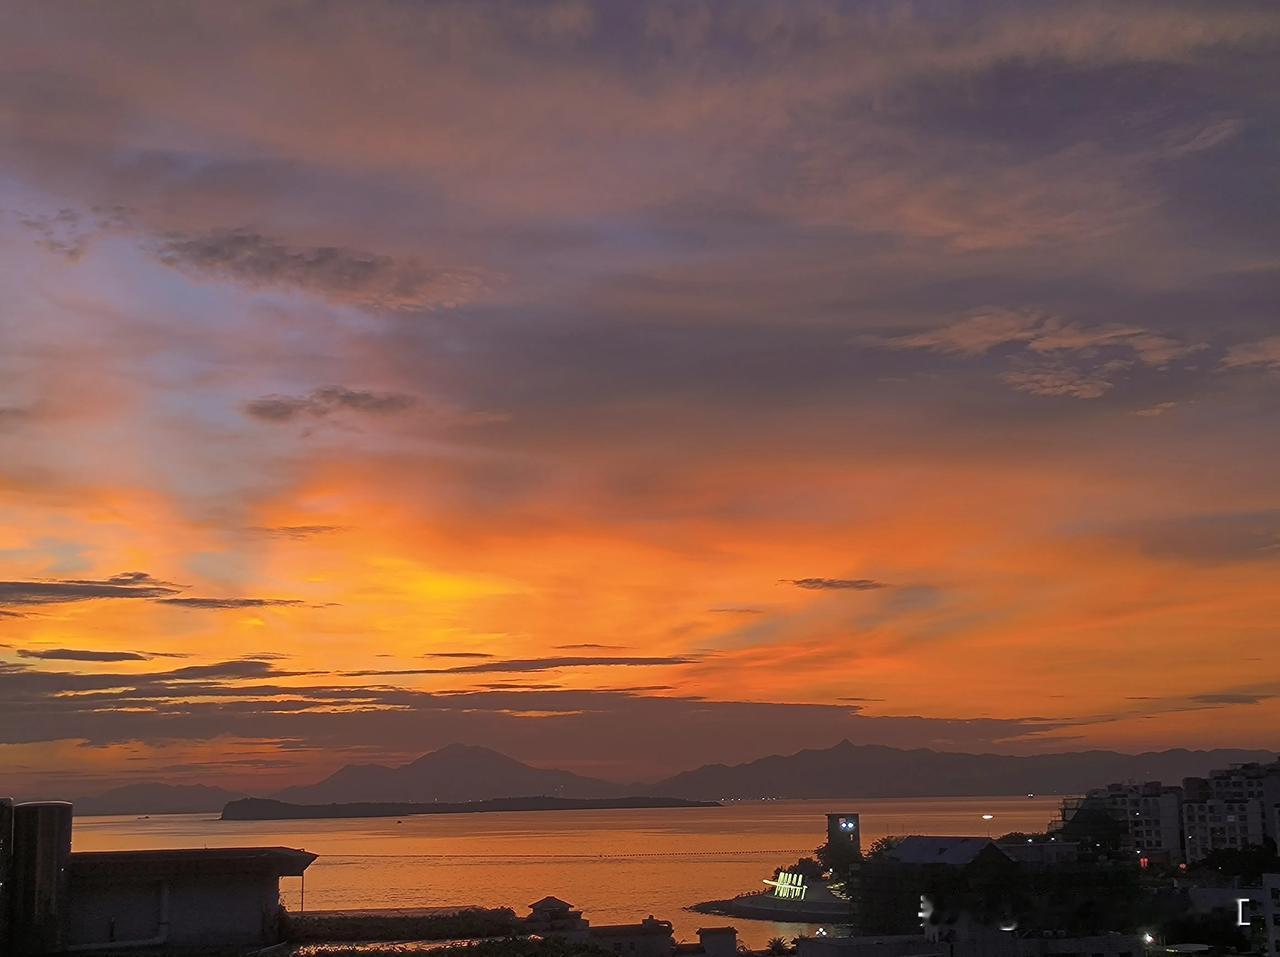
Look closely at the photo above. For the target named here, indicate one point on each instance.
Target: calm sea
(618, 865)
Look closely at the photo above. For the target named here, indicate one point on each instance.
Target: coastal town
(1125, 870)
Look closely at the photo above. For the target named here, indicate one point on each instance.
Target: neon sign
(788, 886)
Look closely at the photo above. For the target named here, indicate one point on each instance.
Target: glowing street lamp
(988, 818)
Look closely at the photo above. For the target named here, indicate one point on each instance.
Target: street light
(988, 818)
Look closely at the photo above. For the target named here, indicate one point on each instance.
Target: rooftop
(550, 903)
(659, 927)
(953, 851)
(276, 861)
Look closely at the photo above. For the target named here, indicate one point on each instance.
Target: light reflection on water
(617, 865)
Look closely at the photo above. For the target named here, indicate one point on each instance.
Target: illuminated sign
(788, 886)
(1241, 920)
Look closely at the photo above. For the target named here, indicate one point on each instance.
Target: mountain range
(460, 773)
(869, 770)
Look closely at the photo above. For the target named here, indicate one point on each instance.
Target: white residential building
(1152, 813)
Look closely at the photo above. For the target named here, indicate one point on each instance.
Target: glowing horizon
(629, 389)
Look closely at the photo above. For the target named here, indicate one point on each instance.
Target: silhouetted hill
(154, 798)
(455, 773)
(849, 770)
(263, 809)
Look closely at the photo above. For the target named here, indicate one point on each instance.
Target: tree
(1019, 837)
(777, 946)
(1248, 864)
(837, 858)
(881, 847)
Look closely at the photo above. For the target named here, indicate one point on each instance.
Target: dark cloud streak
(80, 654)
(208, 603)
(533, 664)
(339, 273)
(58, 591)
(324, 402)
(836, 584)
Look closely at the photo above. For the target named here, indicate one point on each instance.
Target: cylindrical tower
(38, 875)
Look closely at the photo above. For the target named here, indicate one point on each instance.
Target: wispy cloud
(298, 533)
(1264, 354)
(1063, 381)
(1160, 408)
(1235, 697)
(80, 654)
(836, 584)
(537, 664)
(230, 602)
(57, 591)
(343, 274)
(972, 335)
(1058, 357)
(457, 654)
(326, 401)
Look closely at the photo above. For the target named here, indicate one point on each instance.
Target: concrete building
(1251, 782)
(6, 860)
(648, 938)
(1271, 912)
(552, 917)
(1241, 906)
(1232, 808)
(844, 830)
(64, 902)
(1212, 824)
(712, 942)
(179, 898)
(1152, 816)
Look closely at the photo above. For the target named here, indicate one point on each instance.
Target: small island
(265, 809)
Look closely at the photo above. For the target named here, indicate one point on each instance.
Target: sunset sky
(629, 386)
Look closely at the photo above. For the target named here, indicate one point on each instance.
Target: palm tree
(777, 946)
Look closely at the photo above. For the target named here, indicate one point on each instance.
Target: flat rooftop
(186, 861)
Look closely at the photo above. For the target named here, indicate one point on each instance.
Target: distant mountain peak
(458, 747)
(454, 773)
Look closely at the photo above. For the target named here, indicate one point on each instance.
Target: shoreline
(766, 907)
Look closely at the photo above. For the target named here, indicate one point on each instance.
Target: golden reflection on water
(617, 865)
